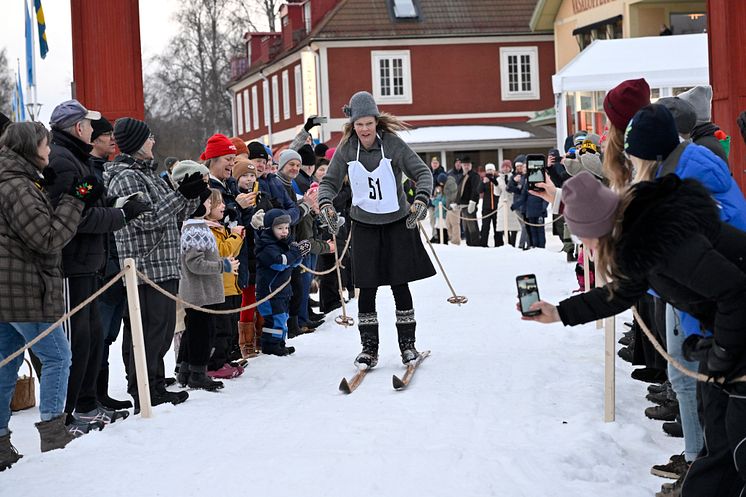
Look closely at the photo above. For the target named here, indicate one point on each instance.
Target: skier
(386, 243)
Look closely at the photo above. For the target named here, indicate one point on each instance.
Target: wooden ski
(350, 386)
(400, 384)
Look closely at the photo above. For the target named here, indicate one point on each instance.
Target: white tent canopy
(664, 62)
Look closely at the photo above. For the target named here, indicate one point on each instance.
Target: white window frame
(239, 114)
(265, 95)
(275, 99)
(246, 113)
(307, 16)
(298, 91)
(285, 95)
(533, 54)
(255, 106)
(376, 56)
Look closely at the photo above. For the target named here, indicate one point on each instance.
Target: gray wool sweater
(403, 161)
(202, 267)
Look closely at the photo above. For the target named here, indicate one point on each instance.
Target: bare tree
(186, 99)
(7, 84)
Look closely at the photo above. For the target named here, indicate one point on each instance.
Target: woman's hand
(550, 191)
(549, 313)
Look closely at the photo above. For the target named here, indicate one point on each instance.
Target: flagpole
(33, 61)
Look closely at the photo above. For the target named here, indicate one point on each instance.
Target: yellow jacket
(229, 245)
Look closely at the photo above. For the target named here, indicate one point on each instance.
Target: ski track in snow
(501, 408)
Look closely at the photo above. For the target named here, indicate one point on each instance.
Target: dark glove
(133, 208)
(192, 185)
(88, 189)
(418, 210)
(330, 218)
(312, 122)
(741, 121)
(717, 358)
(303, 246)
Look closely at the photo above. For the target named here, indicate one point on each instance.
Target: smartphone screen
(535, 171)
(528, 293)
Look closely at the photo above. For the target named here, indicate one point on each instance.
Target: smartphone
(528, 293)
(536, 165)
(320, 120)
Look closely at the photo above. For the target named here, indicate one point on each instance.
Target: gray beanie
(288, 155)
(361, 104)
(590, 207)
(187, 167)
(683, 113)
(701, 99)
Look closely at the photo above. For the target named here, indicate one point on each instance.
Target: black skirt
(388, 254)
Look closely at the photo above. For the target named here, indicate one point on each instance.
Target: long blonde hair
(616, 168)
(605, 256)
(384, 123)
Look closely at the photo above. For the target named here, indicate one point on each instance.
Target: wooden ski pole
(344, 319)
(138, 342)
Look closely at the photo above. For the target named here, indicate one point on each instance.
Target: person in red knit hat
(620, 104)
(241, 149)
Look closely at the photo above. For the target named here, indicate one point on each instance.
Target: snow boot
(198, 379)
(182, 377)
(8, 454)
(405, 327)
(102, 393)
(226, 372)
(246, 333)
(673, 429)
(674, 469)
(368, 327)
(659, 387)
(105, 416)
(78, 427)
(665, 412)
(649, 375)
(54, 434)
(273, 345)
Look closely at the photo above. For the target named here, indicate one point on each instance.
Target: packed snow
(502, 407)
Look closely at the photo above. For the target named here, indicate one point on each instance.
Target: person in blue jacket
(276, 255)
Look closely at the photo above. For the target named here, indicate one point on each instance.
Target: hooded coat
(673, 241)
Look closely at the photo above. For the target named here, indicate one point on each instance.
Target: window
(247, 116)
(265, 95)
(239, 114)
(285, 95)
(298, 91)
(392, 81)
(275, 100)
(404, 9)
(519, 73)
(683, 24)
(255, 106)
(307, 16)
(608, 29)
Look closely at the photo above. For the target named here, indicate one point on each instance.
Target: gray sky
(55, 73)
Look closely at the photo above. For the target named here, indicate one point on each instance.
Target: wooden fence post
(138, 342)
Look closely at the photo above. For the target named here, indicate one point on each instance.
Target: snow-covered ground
(501, 408)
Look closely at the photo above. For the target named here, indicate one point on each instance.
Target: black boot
(198, 379)
(8, 454)
(102, 393)
(182, 378)
(368, 327)
(405, 327)
(273, 346)
(293, 328)
(53, 433)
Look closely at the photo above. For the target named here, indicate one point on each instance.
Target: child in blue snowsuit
(276, 256)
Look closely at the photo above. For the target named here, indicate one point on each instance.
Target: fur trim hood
(662, 214)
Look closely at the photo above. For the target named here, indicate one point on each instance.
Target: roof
(544, 15)
(467, 137)
(669, 61)
(374, 19)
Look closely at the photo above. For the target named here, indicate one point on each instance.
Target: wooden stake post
(441, 221)
(138, 342)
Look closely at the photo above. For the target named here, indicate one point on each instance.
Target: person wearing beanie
(257, 151)
(436, 169)
(307, 165)
(667, 235)
(277, 255)
(153, 241)
(683, 114)
(186, 168)
(330, 153)
(320, 150)
(241, 149)
(131, 136)
(201, 284)
(490, 192)
(84, 258)
(386, 230)
(620, 104)
(704, 132)
(508, 224)
(438, 211)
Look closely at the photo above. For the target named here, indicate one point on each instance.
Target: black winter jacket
(470, 190)
(674, 242)
(86, 253)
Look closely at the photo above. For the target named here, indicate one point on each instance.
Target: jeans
(309, 261)
(54, 352)
(684, 386)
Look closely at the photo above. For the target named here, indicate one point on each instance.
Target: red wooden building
(435, 63)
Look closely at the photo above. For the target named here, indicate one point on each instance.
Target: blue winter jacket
(689, 160)
(275, 260)
(272, 186)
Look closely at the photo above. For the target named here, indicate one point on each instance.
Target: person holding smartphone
(667, 235)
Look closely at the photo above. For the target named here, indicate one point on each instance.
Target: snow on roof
(664, 61)
(432, 134)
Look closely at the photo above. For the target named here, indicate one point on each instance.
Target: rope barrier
(676, 364)
(333, 268)
(520, 219)
(66, 316)
(183, 302)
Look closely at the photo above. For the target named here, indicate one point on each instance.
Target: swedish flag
(43, 47)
